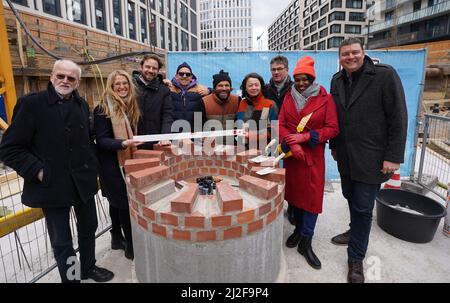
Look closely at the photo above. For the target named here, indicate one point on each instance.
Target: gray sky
(264, 13)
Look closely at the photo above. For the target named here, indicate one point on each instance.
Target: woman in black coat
(115, 121)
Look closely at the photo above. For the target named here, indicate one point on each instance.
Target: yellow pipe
(13, 222)
(6, 71)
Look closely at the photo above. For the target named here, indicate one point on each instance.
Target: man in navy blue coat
(49, 144)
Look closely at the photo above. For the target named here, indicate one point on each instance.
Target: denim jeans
(305, 222)
(361, 200)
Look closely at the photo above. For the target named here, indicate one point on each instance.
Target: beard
(223, 96)
(64, 90)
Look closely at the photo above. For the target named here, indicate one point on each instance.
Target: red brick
(194, 221)
(221, 221)
(159, 230)
(229, 199)
(149, 176)
(133, 214)
(204, 170)
(148, 213)
(261, 188)
(234, 166)
(279, 199)
(153, 193)
(195, 172)
(231, 174)
(181, 235)
(227, 164)
(203, 236)
(218, 163)
(255, 226)
(266, 208)
(132, 165)
(184, 202)
(169, 150)
(213, 171)
(279, 176)
(200, 163)
(145, 154)
(134, 205)
(142, 222)
(272, 216)
(232, 233)
(191, 164)
(246, 216)
(169, 219)
(183, 166)
(222, 172)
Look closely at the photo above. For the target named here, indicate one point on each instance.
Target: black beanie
(184, 64)
(221, 76)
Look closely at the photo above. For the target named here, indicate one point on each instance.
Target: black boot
(292, 240)
(129, 251)
(290, 214)
(117, 241)
(305, 249)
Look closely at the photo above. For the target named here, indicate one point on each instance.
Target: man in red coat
(307, 120)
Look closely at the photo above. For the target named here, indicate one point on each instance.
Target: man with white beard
(50, 145)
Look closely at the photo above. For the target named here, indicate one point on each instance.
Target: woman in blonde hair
(115, 121)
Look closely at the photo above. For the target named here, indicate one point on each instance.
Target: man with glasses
(280, 82)
(154, 99)
(50, 145)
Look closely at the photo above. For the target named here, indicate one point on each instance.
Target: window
(152, 4)
(335, 29)
(194, 44)
(161, 7)
(306, 31)
(305, 13)
(314, 37)
(414, 27)
(169, 37)
(390, 3)
(313, 28)
(193, 4)
(335, 42)
(306, 41)
(21, 2)
(78, 13)
(315, 16)
(352, 29)
(307, 21)
(131, 21)
(355, 3)
(336, 16)
(322, 22)
(162, 34)
(153, 29)
(417, 5)
(176, 45)
(175, 11)
(336, 3)
(193, 23)
(313, 6)
(100, 21)
(324, 10)
(356, 17)
(117, 16)
(185, 41)
(184, 18)
(52, 7)
(321, 45)
(389, 15)
(144, 38)
(323, 33)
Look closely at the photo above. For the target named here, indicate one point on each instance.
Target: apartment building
(284, 33)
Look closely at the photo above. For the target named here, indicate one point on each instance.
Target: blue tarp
(410, 66)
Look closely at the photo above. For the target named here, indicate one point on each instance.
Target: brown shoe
(355, 272)
(341, 239)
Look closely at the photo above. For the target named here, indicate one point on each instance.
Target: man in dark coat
(373, 121)
(276, 90)
(154, 99)
(49, 144)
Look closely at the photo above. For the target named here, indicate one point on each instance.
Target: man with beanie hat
(307, 120)
(221, 105)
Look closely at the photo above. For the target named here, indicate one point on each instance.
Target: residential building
(226, 25)
(284, 32)
(403, 22)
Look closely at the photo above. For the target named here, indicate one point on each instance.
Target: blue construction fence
(410, 66)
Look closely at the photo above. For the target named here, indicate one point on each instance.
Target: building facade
(166, 24)
(403, 22)
(284, 33)
(226, 25)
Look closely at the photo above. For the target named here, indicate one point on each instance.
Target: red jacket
(305, 180)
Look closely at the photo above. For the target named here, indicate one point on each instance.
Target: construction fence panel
(434, 163)
(410, 65)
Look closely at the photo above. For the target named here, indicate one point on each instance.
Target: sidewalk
(388, 260)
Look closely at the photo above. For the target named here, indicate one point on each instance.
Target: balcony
(425, 13)
(409, 38)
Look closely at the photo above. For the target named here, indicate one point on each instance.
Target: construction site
(236, 233)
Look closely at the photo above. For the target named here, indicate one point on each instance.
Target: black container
(406, 226)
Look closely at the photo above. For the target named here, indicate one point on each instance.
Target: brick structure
(232, 235)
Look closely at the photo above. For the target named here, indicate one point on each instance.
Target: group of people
(53, 145)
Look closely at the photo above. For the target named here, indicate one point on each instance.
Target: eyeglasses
(187, 75)
(277, 70)
(62, 77)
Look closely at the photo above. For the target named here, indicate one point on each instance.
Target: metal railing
(435, 154)
(25, 251)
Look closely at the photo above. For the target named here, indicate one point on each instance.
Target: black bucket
(407, 226)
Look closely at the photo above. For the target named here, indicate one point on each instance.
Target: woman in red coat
(308, 119)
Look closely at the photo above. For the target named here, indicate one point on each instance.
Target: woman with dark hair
(256, 107)
(307, 120)
(115, 121)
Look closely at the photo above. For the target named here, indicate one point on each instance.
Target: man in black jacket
(373, 125)
(154, 100)
(275, 90)
(49, 144)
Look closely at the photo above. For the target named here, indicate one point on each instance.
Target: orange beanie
(305, 66)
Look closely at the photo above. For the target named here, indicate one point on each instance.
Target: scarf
(122, 131)
(301, 98)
